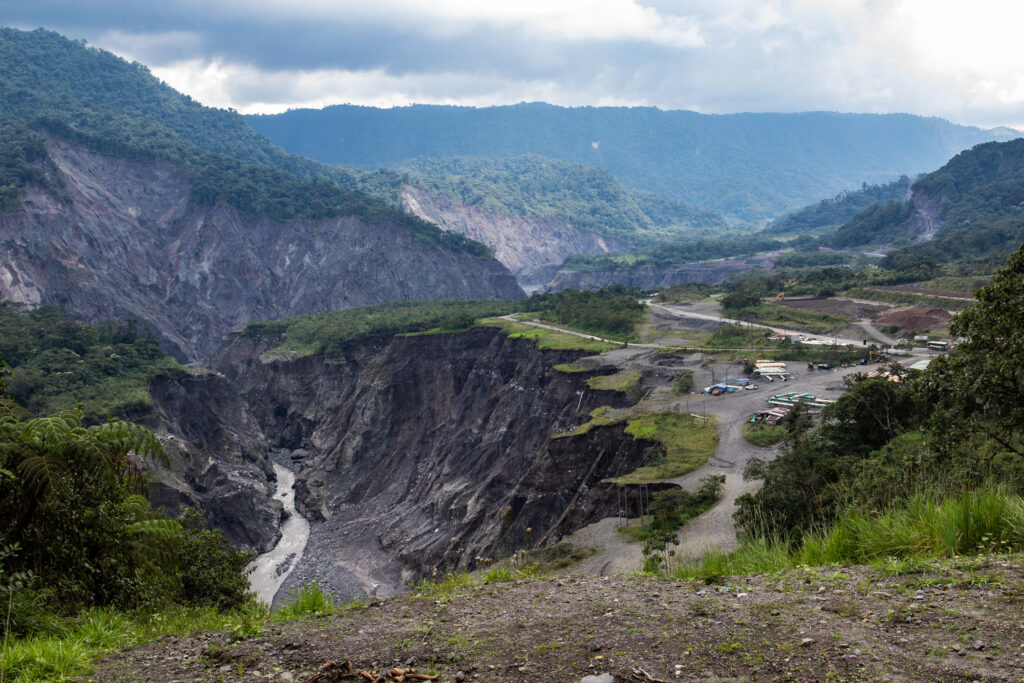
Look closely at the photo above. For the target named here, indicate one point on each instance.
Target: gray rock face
(525, 244)
(426, 452)
(218, 459)
(653, 277)
(127, 241)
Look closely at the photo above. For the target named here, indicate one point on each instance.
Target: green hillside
(748, 166)
(54, 86)
(57, 364)
(979, 201)
(830, 214)
(587, 197)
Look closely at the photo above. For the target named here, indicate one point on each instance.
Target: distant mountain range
(748, 166)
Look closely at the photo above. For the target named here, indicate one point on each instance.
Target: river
(270, 569)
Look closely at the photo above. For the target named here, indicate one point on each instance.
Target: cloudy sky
(963, 61)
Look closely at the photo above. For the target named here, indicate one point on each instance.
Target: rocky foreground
(961, 620)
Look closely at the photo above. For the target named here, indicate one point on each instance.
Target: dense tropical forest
(59, 365)
(587, 197)
(748, 166)
(830, 214)
(64, 88)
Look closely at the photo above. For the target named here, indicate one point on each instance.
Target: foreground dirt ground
(961, 620)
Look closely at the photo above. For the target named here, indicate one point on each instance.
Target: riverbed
(271, 569)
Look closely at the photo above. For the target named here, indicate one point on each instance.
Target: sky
(962, 61)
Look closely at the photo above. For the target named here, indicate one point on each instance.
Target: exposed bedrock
(422, 453)
(218, 459)
(530, 246)
(124, 239)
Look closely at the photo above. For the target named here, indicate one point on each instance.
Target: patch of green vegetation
(548, 339)
(601, 416)
(562, 555)
(687, 443)
(612, 312)
(328, 333)
(671, 509)
(58, 364)
(763, 435)
(306, 600)
(684, 442)
(985, 520)
(684, 382)
(569, 368)
(682, 294)
(624, 380)
(69, 651)
(907, 298)
(735, 336)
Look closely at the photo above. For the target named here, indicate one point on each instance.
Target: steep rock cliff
(523, 243)
(422, 453)
(218, 459)
(125, 240)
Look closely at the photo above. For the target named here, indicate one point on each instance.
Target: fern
(52, 433)
(39, 471)
(130, 438)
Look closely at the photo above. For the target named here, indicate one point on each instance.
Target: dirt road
(714, 530)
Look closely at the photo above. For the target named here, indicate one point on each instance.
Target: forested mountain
(971, 207)
(123, 198)
(750, 166)
(58, 87)
(587, 197)
(830, 214)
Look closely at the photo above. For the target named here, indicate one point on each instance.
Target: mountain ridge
(752, 166)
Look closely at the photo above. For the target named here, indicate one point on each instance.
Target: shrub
(211, 571)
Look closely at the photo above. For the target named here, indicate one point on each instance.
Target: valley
(525, 392)
(407, 468)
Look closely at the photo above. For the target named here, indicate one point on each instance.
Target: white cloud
(250, 90)
(948, 58)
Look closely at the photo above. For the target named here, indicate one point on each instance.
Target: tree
(977, 389)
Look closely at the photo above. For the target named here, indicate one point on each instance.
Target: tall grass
(308, 599)
(986, 520)
(67, 651)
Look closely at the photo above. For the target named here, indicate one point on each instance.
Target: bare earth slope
(130, 243)
(520, 242)
(954, 621)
